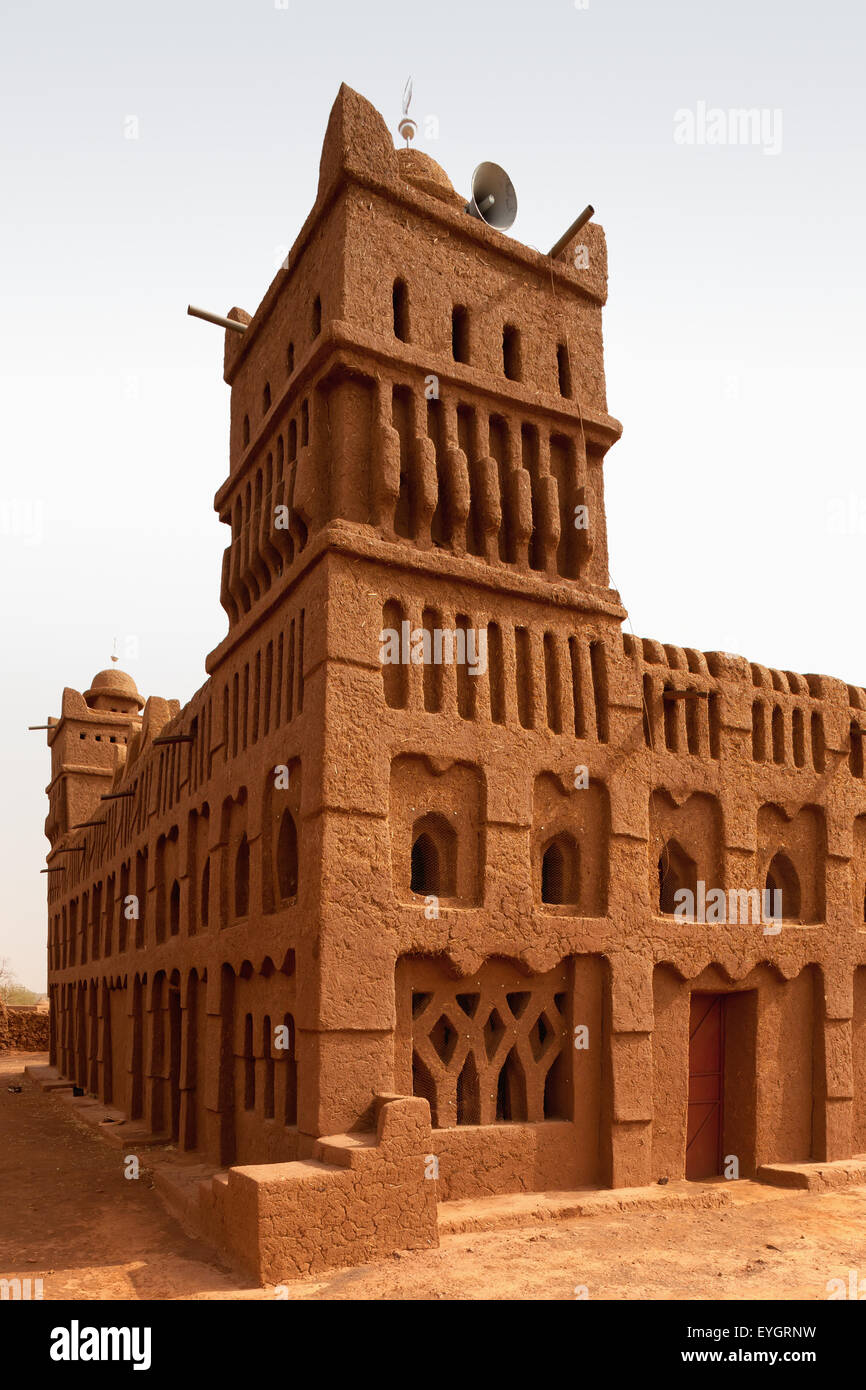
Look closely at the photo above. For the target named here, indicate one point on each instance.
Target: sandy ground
(67, 1214)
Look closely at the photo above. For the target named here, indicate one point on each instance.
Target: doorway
(706, 1086)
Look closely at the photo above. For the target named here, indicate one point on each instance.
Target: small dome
(115, 685)
(419, 169)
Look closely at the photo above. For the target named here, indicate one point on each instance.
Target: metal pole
(575, 227)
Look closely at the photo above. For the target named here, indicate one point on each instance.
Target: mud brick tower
(362, 937)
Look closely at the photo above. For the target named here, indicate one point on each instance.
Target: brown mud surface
(69, 1216)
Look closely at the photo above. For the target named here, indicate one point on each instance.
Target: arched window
(425, 865)
(242, 878)
(317, 316)
(287, 858)
(266, 398)
(434, 856)
(269, 1069)
(395, 682)
(246, 434)
(559, 871)
(205, 893)
(553, 874)
(174, 909)
(677, 871)
(400, 305)
(782, 879)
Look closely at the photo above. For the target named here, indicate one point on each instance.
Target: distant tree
(7, 979)
(11, 989)
(19, 994)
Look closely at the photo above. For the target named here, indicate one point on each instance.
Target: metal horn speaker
(493, 199)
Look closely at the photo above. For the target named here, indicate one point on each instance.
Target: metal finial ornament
(113, 657)
(407, 127)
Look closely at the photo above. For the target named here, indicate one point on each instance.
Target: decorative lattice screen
(487, 1049)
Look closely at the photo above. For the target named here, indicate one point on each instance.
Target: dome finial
(407, 126)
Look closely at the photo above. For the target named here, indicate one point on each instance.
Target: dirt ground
(67, 1214)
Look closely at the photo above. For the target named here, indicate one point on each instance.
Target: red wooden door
(706, 1086)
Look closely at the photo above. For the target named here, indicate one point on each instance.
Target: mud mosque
(361, 939)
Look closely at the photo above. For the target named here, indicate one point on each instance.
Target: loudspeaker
(493, 199)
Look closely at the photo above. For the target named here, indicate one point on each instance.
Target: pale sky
(734, 331)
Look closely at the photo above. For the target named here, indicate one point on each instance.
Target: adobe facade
(371, 936)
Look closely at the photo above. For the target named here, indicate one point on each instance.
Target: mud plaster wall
(23, 1029)
(453, 513)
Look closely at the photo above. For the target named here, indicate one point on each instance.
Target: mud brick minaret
(368, 936)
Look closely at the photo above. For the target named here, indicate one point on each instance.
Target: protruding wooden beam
(218, 319)
(71, 849)
(82, 823)
(113, 796)
(173, 738)
(685, 694)
(61, 869)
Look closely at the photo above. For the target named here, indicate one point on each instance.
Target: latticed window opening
(493, 1049)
